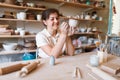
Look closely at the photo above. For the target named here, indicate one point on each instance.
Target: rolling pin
(12, 68)
(27, 69)
(101, 73)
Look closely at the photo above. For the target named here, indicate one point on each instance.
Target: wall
(116, 19)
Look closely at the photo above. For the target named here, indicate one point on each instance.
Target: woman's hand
(71, 31)
(64, 28)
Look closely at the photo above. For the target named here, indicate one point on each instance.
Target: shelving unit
(3, 5)
(80, 5)
(62, 3)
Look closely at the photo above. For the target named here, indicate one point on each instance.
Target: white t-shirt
(44, 38)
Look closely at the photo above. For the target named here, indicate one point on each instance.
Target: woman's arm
(56, 50)
(69, 47)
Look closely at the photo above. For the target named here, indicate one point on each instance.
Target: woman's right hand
(64, 28)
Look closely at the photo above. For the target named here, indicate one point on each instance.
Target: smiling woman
(54, 41)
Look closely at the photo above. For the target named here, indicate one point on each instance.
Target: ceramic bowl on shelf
(9, 46)
(83, 29)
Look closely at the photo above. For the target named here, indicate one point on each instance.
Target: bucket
(29, 56)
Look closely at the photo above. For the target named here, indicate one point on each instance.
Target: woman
(54, 40)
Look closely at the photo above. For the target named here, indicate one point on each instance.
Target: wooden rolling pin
(27, 69)
(101, 73)
(11, 68)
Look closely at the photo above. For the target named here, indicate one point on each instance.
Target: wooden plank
(79, 33)
(15, 51)
(20, 7)
(111, 68)
(66, 18)
(62, 70)
(6, 19)
(74, 4)
(17, 36)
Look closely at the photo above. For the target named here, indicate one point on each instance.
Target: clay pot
(30, 16)
(9, 1)
(29, 44)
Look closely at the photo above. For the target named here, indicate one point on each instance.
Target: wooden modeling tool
(111, 68)
(92, 76)
(27, 69)
(101, 73)
(77, 73)
(11, 68)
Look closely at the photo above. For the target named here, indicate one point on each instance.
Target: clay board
(112, 68)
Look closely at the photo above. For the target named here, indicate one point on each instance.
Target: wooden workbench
(62, 70)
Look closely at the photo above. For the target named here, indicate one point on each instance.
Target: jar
(22, 15)
(94, 60)
(102, 56)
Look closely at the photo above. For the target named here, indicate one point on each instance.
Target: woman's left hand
(71, 31)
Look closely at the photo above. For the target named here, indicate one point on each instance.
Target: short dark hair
(46, 13)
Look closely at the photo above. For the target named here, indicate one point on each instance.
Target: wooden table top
(62, 70)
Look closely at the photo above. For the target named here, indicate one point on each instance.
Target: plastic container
(29, 56)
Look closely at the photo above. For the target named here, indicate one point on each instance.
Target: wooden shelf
(19, 7)
(79, 33)
(85, 46)
(17, 36)
(114, 36)
(97, 32)
(15, 52)
(66, 18)
(75, 4)
(6, 19)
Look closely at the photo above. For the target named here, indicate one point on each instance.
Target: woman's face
(52, 22)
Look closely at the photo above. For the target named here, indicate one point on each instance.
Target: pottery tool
(106, 39)
(92, 76)
(77, 73)
(101, 73)
(111, 68)
(11, 68)
(27, 69)
(52, 60)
